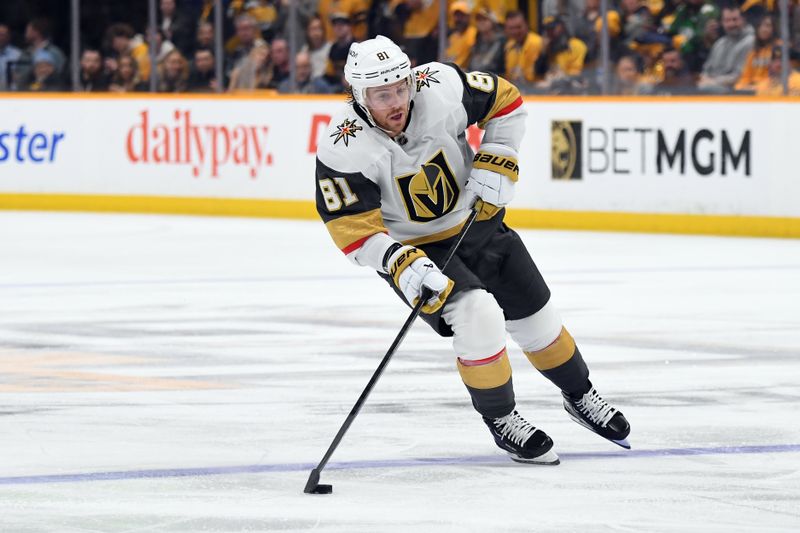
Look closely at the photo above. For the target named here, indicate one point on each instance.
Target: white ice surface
(175, 346)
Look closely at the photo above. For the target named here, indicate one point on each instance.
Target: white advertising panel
(655, 156)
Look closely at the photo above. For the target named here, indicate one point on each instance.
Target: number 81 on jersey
(336, 192)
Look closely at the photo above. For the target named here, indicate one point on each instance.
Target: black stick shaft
(313, 479)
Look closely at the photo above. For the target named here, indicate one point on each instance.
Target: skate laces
(514, 428)
(595, 408)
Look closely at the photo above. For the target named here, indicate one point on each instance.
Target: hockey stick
(312, 485)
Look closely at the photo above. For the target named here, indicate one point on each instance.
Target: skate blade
(619, 442)
(547, 458)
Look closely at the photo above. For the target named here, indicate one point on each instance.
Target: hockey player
(395, 181)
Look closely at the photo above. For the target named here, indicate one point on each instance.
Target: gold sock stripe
(558, 353)
(489, 376)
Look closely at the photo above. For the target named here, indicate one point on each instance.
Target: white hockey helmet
(376, 62)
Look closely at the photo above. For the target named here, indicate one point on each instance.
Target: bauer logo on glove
(491, 182)
(412, 272)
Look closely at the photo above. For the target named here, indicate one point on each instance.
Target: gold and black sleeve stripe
(506, 100)
(350, 205)
(485, 101)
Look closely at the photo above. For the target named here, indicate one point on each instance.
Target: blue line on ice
(307, 279)
(389, 463)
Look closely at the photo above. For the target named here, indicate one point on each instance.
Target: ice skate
(522, 441)
(593, 412)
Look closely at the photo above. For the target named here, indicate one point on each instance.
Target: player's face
(389, 105)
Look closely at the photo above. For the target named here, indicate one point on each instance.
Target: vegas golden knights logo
(430, 193)
(565, 149)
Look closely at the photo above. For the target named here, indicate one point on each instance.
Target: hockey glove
(491, 182)
(412, 271)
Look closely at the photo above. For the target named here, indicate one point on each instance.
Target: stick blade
(313, 486)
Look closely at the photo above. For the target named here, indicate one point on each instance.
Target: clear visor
(387, 97)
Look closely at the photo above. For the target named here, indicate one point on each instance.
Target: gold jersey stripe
(493, 375)
(351, 228)
(505, 95)
(435, 237)
(558, 353)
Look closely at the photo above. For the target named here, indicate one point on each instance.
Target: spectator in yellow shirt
(523, 48)
(773, 85)
(420, 20)
(756, 66)
(122, 40)
(563, 54)
(499, 8)
(462, 37)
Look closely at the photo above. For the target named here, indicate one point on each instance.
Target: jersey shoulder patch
(437, 81)
(347, 144)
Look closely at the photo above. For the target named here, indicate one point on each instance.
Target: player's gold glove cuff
(403, 260)
(485, 210)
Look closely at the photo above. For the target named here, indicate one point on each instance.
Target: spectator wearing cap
(9, 55)
(306, 83)
(726, 60)
(337, 57)
(488, 53)
(562, 55)
(420, 20)
(462, 36)
(773, 85)
(522, 50)
(93, 77)
(121, 40)
(756, 66)
(45, 74)
(317, 47)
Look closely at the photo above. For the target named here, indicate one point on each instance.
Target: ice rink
(184, 374)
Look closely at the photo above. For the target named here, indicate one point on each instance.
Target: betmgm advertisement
(581, 149)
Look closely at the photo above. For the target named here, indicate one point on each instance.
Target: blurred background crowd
(657, 47)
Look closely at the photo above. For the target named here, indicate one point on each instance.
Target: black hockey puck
(322, 489)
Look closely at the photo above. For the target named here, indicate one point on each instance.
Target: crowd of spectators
(655, 47)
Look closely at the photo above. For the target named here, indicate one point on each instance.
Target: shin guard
(561, 362)
(489, 384)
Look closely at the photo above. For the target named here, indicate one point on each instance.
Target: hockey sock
(561, 362)
(489, 384)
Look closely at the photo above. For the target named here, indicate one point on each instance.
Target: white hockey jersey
(412, 187)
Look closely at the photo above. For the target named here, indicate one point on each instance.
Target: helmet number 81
(481, 81)
(383, 56)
